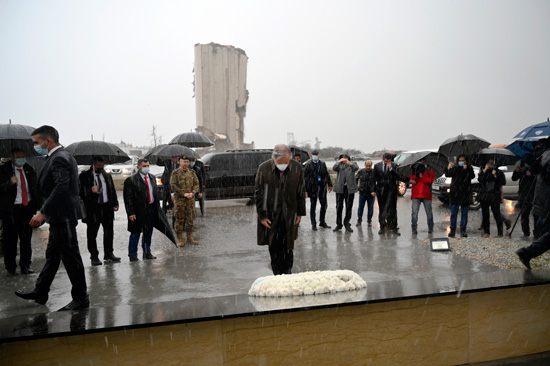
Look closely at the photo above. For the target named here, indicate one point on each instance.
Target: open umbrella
(500, 156)
(15, 135)
(523, 147)
(160, 153)
(437, 161)
(192, 139)
(462, 144)
(538, 130)
(84, 151)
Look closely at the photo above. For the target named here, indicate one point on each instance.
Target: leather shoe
(324, 225)
(314, 227)
(382, 231)
(349, 229)
(149, 256)
(96, 262)
(111, 257)
(134, 259)
(77, 304)
(337, 228)
(27, 270)
(33, 295)
(524, 258)
(11, 272)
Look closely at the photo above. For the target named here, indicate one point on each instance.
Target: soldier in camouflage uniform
(184, 184)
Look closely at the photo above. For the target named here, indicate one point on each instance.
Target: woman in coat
(461, 174)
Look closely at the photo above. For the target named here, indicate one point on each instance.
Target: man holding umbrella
(421, 179)
(19, 200)
(98, 194)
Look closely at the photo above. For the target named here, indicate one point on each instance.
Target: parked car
(125, 169)
(441, 187)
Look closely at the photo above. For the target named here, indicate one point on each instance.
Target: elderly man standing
(280, 203)
(345, 189)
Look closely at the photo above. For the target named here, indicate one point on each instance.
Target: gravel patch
(495, 251)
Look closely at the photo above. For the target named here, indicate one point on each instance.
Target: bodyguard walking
(317, 180)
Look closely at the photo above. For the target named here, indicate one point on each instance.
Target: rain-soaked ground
(227, 259)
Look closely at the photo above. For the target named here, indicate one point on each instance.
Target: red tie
(24, 195)
(148, 194)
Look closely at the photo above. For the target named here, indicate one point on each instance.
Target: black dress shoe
(149, 256)
(382, 231)
(134, 259)
(324, 225)
(314, 227)
(524, 258)
(111, 257)
(38, 298)
(337, 228)
(26, 270)
(96, 262)
(349, 229)
(77, 304)
(11, 272)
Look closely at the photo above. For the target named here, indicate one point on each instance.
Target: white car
(125, 169)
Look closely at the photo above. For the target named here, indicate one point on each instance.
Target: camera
(418, 169)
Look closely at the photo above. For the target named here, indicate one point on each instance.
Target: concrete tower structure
(221, 94)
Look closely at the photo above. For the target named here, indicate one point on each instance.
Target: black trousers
(16, 226)
(525, 214)
(341, 199)
(103, 217)
(387, 211)
(282, 258)
(63, 246)
(492, 203)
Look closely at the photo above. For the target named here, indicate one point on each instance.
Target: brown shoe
(181, 242)
(190, 238)
(486, 235)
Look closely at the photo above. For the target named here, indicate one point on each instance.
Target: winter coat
(387, 183)
(312, 178)
(365, 178)
(279, 197)
(423, 186)
(461, 184)
(489, 187)
(527, 183)
(8, 191)
(90, 199)
(541, 203)
(345, 177)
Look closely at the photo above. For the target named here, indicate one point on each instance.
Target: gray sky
(356, 74)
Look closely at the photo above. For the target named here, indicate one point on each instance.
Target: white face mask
(282, 167)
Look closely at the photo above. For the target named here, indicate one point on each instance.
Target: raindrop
(151, 338)
(416, 342)
(279, 346)
(287, 323)
(263, 320)
(510, 336)
(542, 296)
(171, 336)
(106, 342)
(335, 322)
(460, 288)
(116, 349)
(301, 350)
(438, 332)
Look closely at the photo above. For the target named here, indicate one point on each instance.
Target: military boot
(190, 238)
(181, 242)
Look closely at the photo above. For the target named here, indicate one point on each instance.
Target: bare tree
(157, 140)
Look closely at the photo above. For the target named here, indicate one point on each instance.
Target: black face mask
(99, 171)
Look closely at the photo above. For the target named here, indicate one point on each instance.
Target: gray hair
(279, 151)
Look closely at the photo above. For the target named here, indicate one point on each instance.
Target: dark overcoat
(8, 191)
(461, 184)
(90, 199)
(311, 179)
(277, 197)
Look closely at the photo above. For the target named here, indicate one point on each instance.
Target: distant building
(221, 94)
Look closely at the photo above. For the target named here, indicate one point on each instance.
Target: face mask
(99, 170)
(426, 166)
(20, 161)
(315, 158)
(40, 150)
(282, 167)
(191, 164)
(145, 171)
(461, 163)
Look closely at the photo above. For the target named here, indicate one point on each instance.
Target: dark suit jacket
(387, 183)
(58, 182)
(8, 191)
(201, 174)
(90, 199)
(310, 177)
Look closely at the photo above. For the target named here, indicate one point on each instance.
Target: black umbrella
(15, 135)
(84, 151)
(160, 153)
(192, 139)
(437, 161)
(500, 156)
(462, 144)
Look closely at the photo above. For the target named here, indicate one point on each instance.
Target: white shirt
(19, 196)
(97, 177)
(150, 185)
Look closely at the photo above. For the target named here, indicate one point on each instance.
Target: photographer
(491, 180)
(421, 178)
(461, 174)
(526, 191)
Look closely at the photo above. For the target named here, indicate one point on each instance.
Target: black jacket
(8, 191)
(387, 183)
(489, 187)
(201, 174)
(166, 174)
(58, 183)
(461, 184)
(365, 178)
(90, 199)
(526, 188)
(311, 179)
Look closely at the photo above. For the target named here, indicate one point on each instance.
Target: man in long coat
(280, 197)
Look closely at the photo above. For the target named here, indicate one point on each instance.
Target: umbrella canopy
(160, 153)
(84, 151)
(539, 130)
(501, 157)
(192, 139)
(462, 144)
(523, 147)
(437, 161)
(15, 135)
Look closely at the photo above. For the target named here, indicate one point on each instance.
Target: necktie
(148, 194)
(24, 194)
(100, 190)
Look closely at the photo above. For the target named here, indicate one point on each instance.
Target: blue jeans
(321, 194)
(427, 206)
(463, 215)
(370, 207)
(147, 234)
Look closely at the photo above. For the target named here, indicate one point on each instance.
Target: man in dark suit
(199, 169)
(58, 182)
(387, 183)
(142, 207)
(98, 193)
(19, 200)
(169, 167)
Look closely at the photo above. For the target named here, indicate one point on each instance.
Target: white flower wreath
(307, 283)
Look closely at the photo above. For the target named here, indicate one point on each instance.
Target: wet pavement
(227, 259)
